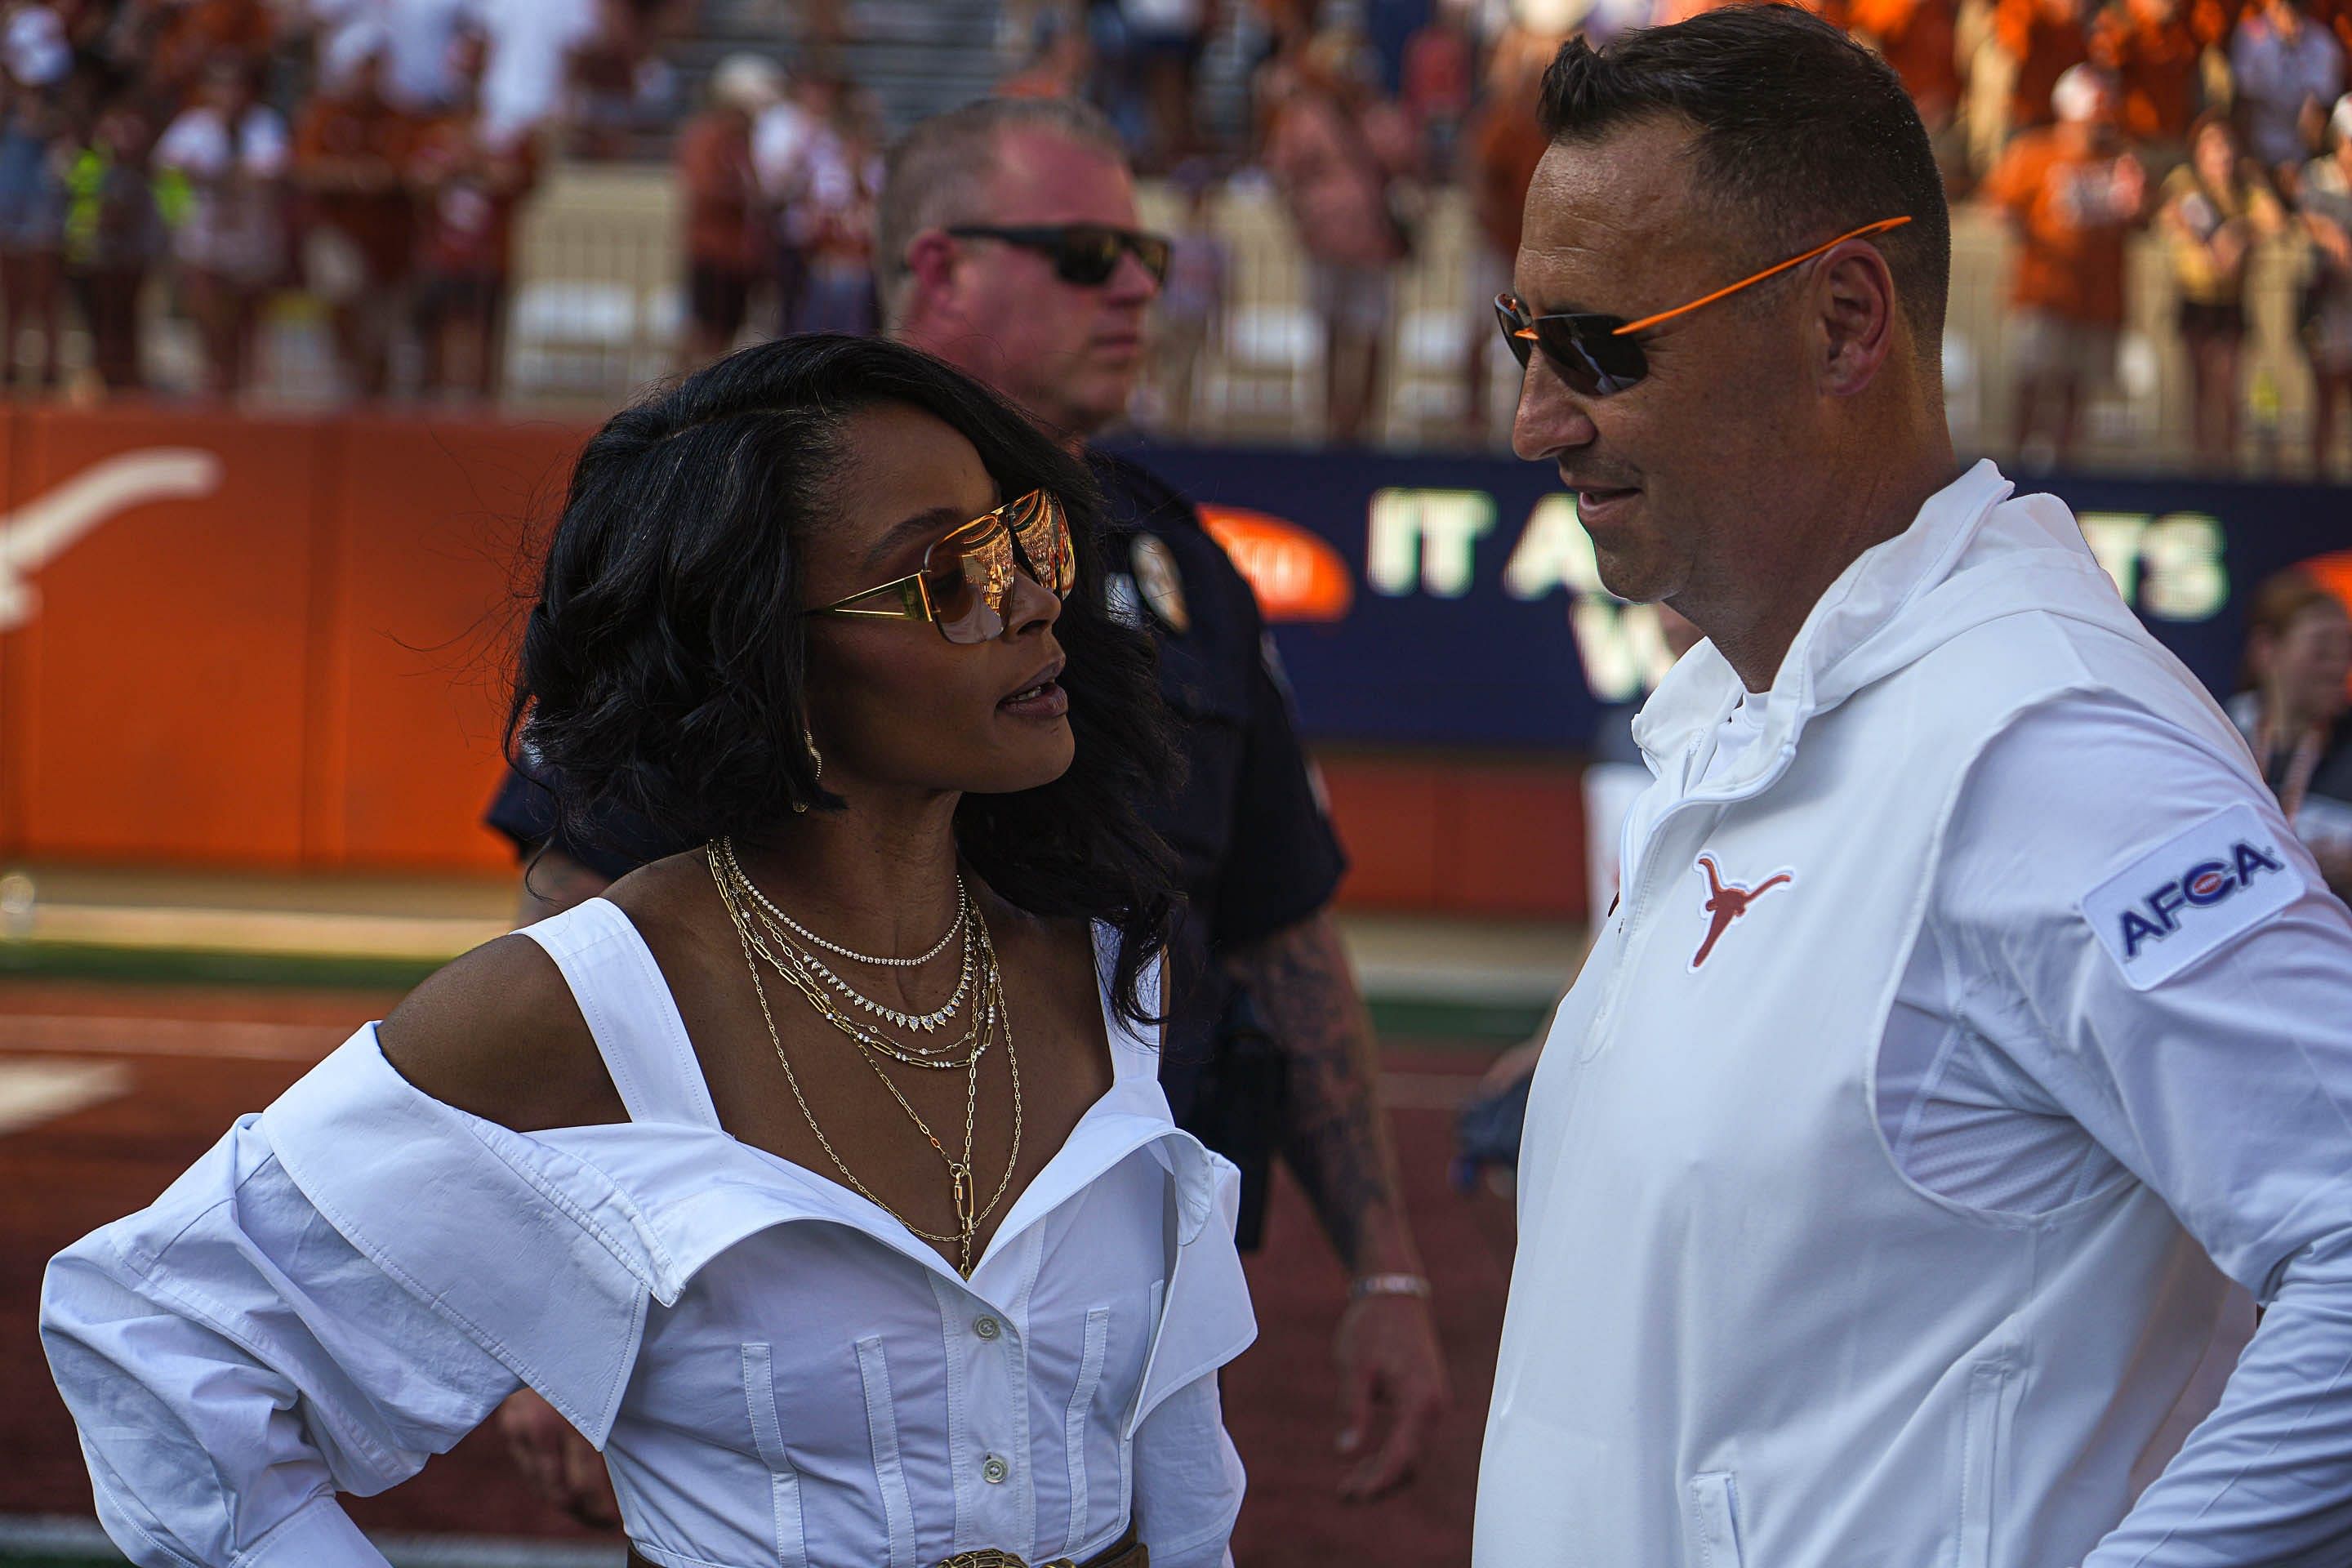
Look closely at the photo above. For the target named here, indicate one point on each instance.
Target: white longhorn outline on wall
(44, 528)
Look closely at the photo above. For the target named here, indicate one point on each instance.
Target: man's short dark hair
(1800, 131)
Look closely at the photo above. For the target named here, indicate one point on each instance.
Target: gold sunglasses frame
(913, 590)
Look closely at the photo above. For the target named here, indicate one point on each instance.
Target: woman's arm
(233, 1363)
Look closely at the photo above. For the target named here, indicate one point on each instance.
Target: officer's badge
(1161, 584)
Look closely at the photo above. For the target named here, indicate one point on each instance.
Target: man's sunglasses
(965, 586)
(1597, 355)
(1085, 254)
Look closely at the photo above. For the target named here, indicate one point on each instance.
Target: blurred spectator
(466, 184)
(197, 33)
(830, 215)
(1193, 301)
(1164, 43)
(2293, 714)
(114, 233)
(2326, 208)
(2072, 195)
(780, 136)
(2287, 73)
(726, 216)
(33, 130)
(534, 45)
(2148, 47)
(2045, 39)
(619, 79)
(1503, 144)
(420, 36)
(230, 241)
(1061, 59)
(1338, 154)
(352, 150)
(1918, 39)
(2215, 207)
(1440, 73)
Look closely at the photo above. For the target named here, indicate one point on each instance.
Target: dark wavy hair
(663, 666)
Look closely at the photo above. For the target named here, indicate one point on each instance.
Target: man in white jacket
(1968, 1019)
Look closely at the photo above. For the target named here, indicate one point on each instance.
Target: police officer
(1008, 246)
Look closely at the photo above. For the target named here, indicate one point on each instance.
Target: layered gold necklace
(769, 934)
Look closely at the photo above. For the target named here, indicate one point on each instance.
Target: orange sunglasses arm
(1879, 227)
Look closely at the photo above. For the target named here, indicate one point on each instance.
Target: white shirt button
(993, 1470)
(987, 1328)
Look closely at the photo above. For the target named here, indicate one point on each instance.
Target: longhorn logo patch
(1726, 901)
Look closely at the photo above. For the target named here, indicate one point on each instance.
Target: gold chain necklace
(963, 909)
(936, 1057)
(777, 922)
(968, 1217)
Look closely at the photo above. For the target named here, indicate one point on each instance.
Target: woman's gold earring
(808, 739)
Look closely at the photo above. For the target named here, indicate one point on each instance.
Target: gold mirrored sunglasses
(965, 585)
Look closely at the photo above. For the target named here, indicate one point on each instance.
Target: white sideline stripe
(65, 1535)
(207, 1037)
(329, 934)
(37, 1091)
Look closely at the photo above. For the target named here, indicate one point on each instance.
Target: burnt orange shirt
(1506, 145)
(2045, 48)
(722, 218)
(2157, 64)
(1916, 38)
(333, 137)
(2069, 258)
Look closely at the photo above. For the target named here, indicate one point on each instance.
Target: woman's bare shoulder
(498, 1034)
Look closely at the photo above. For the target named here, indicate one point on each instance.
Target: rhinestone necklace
(925, 1022)
(963, 912)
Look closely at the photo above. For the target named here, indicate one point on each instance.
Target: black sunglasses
(1597, 355)
(1085, 254)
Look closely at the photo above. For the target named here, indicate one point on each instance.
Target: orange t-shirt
(1917, 38)
(1506, 145)
(714, 162)
(377, 218)
(2070, 257)
(2045, 48)
(2157, 64)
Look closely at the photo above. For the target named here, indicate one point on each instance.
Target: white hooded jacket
(1740, 1335)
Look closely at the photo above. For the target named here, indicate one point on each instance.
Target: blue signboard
(1475, 616)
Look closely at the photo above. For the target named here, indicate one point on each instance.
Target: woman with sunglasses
(820, 1176)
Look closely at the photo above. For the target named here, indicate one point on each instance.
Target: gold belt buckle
(994, 1557)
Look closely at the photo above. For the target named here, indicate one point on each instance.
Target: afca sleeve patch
(2185, 898)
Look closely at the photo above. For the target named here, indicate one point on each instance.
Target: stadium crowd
(2217, 126)
(369, 154)
(364, 161)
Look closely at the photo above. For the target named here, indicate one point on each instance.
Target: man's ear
(1857, 326)
(930, 261)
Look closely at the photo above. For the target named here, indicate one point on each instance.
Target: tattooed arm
(1335, 1142)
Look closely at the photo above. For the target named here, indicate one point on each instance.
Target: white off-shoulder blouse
(777, 1371)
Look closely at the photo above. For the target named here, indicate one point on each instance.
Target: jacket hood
(1975, 553)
